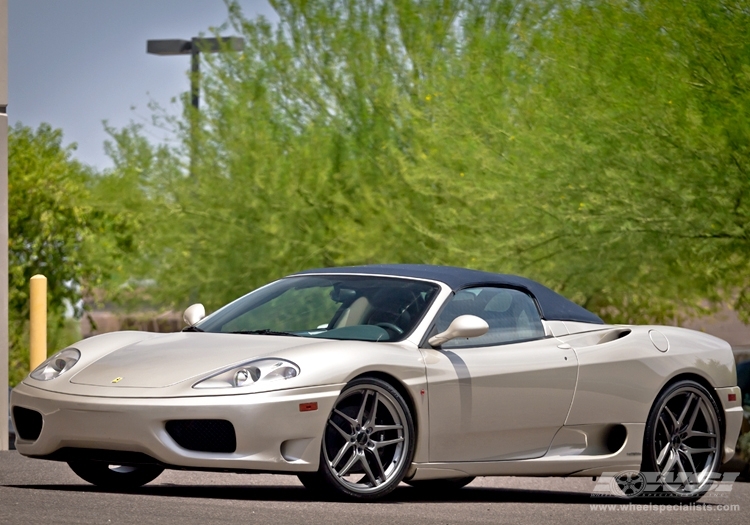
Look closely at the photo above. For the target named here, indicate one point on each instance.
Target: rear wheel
(368, 442)
(109, 476)
(682, 442)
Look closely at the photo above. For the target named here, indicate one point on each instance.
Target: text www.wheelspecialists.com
(650, 507)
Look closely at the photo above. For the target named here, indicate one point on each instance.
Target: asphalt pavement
(39, 492)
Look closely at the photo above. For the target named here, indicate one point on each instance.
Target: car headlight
(57, 364)
(262, 370)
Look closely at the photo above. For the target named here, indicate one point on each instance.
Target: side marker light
(732, 397)
(308, 407)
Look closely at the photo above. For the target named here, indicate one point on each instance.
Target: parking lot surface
(35, 491)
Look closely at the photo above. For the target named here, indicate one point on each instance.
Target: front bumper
(272, 433)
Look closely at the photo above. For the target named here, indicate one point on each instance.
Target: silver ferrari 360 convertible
(356, 379)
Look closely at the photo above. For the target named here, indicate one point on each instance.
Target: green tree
(600, 147)
(642, 121)
(54, 231)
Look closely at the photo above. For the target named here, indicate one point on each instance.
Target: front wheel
(119, 477)
(368, 442)
(682, 442)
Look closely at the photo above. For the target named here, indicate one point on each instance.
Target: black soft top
(553, 306)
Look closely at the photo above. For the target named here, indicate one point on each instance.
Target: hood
(172, 358)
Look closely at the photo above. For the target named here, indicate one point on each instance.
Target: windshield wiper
(192, 329)
(265, 331)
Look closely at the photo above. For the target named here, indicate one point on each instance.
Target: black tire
(364, 458)
(441, 485)
(684, 433)
(120, 477)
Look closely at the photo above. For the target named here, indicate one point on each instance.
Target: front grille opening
(112, 457)
(28, 423)
(203, 435)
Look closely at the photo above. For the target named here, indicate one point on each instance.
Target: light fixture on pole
(193, 48)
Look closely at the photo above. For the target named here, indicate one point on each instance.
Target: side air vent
(616, 438)
(28, 423)
(598, 337)
(203, 435)
(614, 335)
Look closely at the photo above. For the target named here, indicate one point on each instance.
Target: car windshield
(350, 307)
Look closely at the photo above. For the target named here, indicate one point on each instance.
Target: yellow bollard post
(38, 321)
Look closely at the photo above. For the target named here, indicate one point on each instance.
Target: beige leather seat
(355, 314)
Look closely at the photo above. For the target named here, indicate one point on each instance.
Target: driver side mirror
(193, 314)
(462, 326)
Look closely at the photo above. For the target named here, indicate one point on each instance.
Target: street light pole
(195, 71)
(193, 48)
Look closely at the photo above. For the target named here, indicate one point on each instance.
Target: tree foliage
(53, 230)
(599, 147)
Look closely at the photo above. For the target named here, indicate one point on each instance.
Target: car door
(503, 395)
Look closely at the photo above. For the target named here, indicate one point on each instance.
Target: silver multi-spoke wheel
(365, 439)
(368, 440)
(685, 440)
